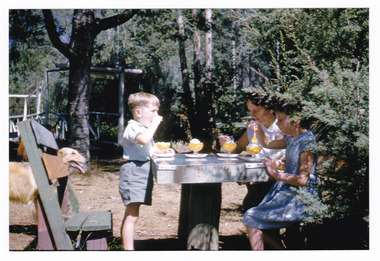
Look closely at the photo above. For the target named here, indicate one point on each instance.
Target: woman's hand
(253, 126)
(223, 139)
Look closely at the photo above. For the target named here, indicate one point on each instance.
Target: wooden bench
(61, 224)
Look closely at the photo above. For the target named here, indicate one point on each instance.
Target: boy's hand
(168, 151)
(157, 120)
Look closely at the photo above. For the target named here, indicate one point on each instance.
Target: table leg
(199, 215)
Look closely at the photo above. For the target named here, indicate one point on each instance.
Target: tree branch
(53, 34)
(110, 22)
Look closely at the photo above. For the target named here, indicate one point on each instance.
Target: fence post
(121, 108)
(38, 109)
(25, 108)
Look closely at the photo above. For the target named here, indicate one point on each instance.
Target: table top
(187, 168)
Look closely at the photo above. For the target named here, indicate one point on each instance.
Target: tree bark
(79, 53)
(200, 127)
(197, 61)
(187, 97)
(207, 109)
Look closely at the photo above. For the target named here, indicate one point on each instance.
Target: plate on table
(226, 155)
(250, 159)
(199, 155)
(163, 155)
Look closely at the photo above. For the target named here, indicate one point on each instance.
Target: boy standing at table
(136, 181)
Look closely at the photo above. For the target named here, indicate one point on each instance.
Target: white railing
(13, 120)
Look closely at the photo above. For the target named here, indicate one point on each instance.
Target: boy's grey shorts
(136, 182)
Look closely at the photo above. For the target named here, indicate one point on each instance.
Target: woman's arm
(306, 164)
(241, 143)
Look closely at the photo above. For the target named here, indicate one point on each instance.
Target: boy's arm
(144, 137)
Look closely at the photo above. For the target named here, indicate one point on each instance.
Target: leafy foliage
(322, 61)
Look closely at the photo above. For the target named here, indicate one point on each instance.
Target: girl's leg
(271, 240)
(131, 216)
(255, 238)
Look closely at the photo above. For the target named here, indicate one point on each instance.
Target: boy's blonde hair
(142, 99)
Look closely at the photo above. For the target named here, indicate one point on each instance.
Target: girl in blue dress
(283, 203)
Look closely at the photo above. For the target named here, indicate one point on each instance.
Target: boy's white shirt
(271, 132)
(133, 150)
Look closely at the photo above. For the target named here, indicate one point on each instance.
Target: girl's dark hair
(260, 100)
(294, 109)
(288, 108)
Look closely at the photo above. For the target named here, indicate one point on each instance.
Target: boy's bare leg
(255, 238)
(131, 216)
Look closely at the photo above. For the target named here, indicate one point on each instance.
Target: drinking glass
(253, 149)
(229, 146)
(163, 145)
(196, 147)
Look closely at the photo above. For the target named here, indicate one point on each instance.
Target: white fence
(60, 125)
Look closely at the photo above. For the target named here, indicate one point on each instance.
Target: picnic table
(201, 179)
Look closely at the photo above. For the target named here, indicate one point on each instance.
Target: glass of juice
(253, 149)
(163, 145)
(229, 146)
(195, 145)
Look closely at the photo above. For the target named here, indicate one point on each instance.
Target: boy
(136, 181)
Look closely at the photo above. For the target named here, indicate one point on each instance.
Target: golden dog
(22, 185)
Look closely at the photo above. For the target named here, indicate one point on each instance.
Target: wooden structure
(201, 192)
(61, 225)
(104, 72)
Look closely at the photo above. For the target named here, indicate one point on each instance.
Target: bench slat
(98, 221)
(76, 221)
(43, 136)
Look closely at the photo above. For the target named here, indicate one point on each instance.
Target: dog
(22, 185)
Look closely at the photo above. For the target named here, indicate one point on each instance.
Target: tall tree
(187, 97)
(79, 52)
(208, 93)
(197, 70)
(201, 117)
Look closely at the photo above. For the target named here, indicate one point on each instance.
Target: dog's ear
(59, 153)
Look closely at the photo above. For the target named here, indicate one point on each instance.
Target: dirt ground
(97, 190)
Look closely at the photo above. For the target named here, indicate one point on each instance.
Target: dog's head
(72, 158)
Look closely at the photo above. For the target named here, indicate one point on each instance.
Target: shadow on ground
(235, 242)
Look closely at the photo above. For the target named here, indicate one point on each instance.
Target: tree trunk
(79, 52)
(199, 112)
(208, 74)
(80, 81)
(78, 108)
(187, 97)
(197, 59)
(197, 127)
(207, 110)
